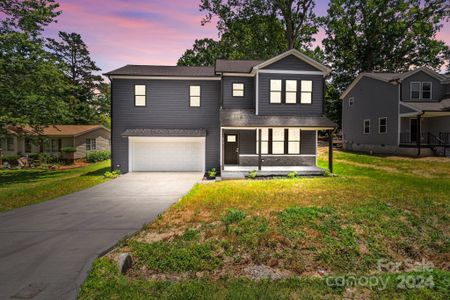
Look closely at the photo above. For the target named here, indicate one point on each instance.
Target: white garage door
(167, 154)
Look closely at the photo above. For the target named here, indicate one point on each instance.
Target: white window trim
(195, 96)
(309, 92)
(140, 95)
(420, 90)
(364, 126)
(90, 143)
(238, 90)
(286, 92)
(379, 125)
(275, 91)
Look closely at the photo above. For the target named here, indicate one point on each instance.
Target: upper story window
(306, 92)
(238, 89)
(366, 126)
(420, 90)
(275, 91)
(382, 125)
(194, 96)
(91, 144)
(140, 95)
(351, 100)
(291, 91)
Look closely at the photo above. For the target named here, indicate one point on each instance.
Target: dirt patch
(258, 272)
(76, 164)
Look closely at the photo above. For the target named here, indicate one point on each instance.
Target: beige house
(53, 139)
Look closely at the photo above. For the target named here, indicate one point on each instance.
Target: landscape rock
(124, 262)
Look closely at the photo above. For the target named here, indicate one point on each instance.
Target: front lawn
(28, 186)
(379, 229)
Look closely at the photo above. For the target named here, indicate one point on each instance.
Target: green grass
(395, 209)
(20, 188)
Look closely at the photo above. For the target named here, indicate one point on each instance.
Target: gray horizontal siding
(291, 62)
(437, 87)
(247, 140)
(308, 142)
(248, 101)
(167, 107)
(267, 108)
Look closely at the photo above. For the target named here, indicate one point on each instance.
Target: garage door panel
(170, 155)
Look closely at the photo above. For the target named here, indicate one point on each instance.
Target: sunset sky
(120, 32)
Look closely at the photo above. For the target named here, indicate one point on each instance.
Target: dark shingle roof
(247, 117)
(150, 70)
(238, 66)
(165, 132)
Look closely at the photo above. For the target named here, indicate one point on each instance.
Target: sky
(120, 32)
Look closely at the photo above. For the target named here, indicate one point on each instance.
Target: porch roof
(248, 118)
(428, 106)
(164, 132)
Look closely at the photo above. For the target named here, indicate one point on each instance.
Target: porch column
(222, 152)
(330, 150)
(259, 149)
(419, 135)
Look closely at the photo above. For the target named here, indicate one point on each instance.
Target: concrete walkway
(47, 249)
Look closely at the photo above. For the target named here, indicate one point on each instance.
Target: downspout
(112, 124)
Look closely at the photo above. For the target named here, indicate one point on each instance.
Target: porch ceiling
(248, 118)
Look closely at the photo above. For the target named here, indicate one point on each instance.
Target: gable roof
(393, 77)
(59, 130)
(297, 54)
(154, 70)
(236, 66)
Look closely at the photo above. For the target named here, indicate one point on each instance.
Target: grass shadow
(25, 176)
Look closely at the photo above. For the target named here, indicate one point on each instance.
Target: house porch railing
(426, 139)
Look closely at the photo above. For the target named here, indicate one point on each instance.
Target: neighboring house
(399, 113)
(247, 114)
(84, 138)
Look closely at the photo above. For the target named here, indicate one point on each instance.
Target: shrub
(33, 156)
(47, 158)
(292, 174)
(252, 174)
(11, 159)
(113, 174)
(233, 216)
(97, 156)
(68, 149)
(212, 173)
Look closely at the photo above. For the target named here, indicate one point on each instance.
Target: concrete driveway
(47, 249)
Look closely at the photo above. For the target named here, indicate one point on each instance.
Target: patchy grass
(20, 188)
(377, 209)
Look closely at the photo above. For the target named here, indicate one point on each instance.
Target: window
(194, 96)
(139, 95)
(294, 141)
(278, 141)
(382, 124)
(264, 140)
(9, 143)
(420, 90)
(28, 145)
(351, 100)
(366, 126)
(91, 144)
(238, 90)
(291, 91)
(306, 92)
(231, 138)
(426, 90)
(56, 145)
(275, 91)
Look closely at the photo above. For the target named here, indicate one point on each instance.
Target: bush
(292, 174)
(212, 173)
(47, 158)
(233, 216)
(252, 174)
(68, 149)
(11, 159)
(97, 156)
(113, 174)
(33, 156)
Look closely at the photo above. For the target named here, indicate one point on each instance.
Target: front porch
(239, 172)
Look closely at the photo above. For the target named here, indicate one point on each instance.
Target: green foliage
(47, 158)
(96, 156)
(176, 257)
(252, 174)
(233, 216)
(212, 173)
(292, 175)
(68, 149)
(191, 235)
(11, 159)
(114, 174)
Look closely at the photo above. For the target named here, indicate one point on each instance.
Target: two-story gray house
(236, 115)
(398, 113)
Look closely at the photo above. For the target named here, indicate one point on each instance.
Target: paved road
(47, 249)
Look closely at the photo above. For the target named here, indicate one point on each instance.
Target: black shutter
(269, 144)
(286, 141)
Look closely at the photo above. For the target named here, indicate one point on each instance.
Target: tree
(204, 52)
(382, 35)
(31, 86)
(297, 17)
(79, 70)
